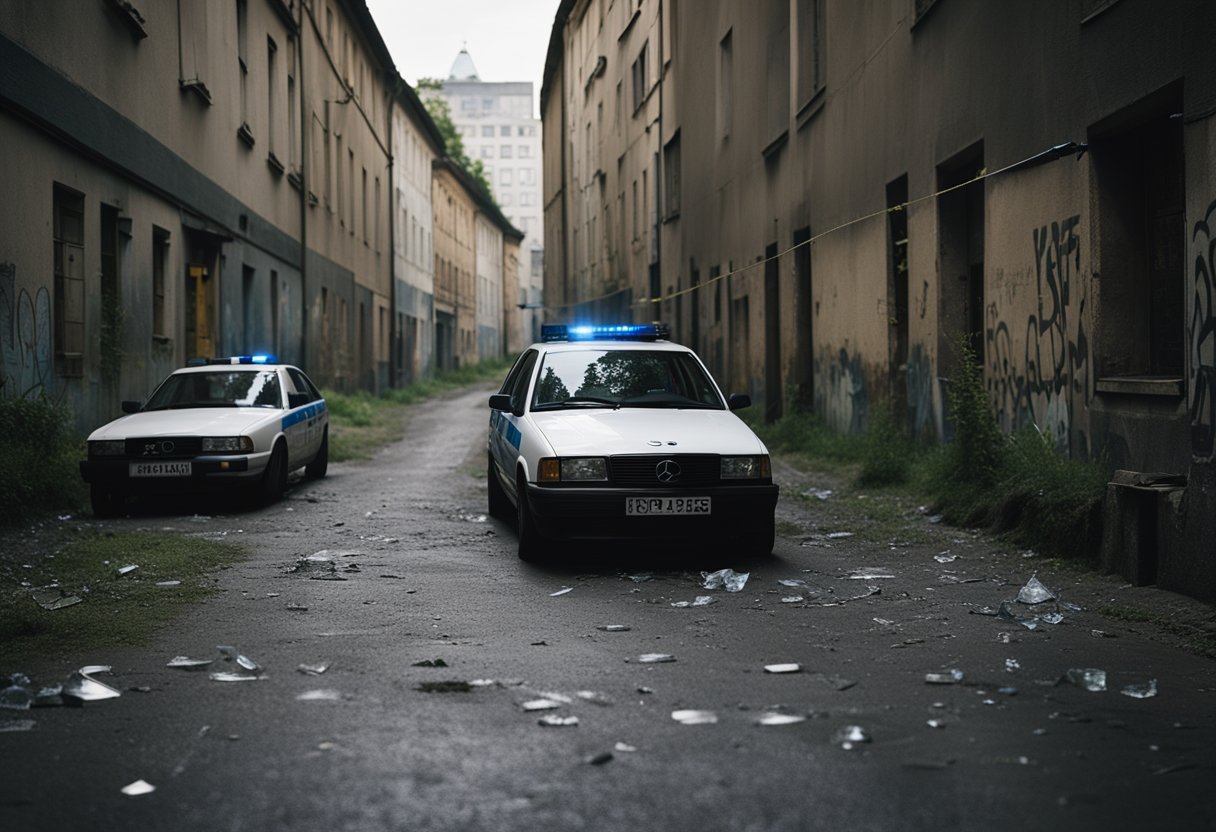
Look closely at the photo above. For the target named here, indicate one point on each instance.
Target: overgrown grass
(1192, 637)
(115, 610)
(1017, 485)
(360, 423)
(39, 458)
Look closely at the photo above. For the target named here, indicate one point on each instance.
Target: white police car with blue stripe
(603, 433)
(245, 420)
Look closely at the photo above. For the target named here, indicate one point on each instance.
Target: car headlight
(746, 468)
(572, 469)
(227, 444)
(107, 447)
(581, 468)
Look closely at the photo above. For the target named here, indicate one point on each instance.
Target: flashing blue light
(604, 332)
(246, 359)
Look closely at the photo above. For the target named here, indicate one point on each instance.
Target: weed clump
(40, 454)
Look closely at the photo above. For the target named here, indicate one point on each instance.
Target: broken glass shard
(555, 721)
(561, 591)
(540, 705)
(945, 557)
(137, 788)
(869, 574)
(1144, 691)
(125, 570)
(680, 604)
(168, 583)
(613, 628)
(1090, 678)
(792, 599)
(693, 717)
(936, 723)
(229, 676)
(312, 669)
(187, 663)
(949, 677)
(594, 697)
(81, 685)
(1012, 665)
(792, 582)
(624, 748)
(790, 667)
(320, 695)
(774, 718)
(1034, 592)
(703, 601)
(53, 598)
(243, 662)
(727, 579)
(656, 658)
(886, 622)
(1008, 613)
(838, 535)
(15, 725)
(17, 696)
(850, 736)
(1051, 617)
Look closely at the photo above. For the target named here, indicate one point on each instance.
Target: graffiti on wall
(1039, 387)
(1201, 338)
(842, 397)
(920, 391)
(25, 336)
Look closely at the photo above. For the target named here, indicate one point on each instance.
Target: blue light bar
(246, 359)
(603, 332)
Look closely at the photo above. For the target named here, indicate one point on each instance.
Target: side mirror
(738, 401)
(295, 400)
(501, 401)
(132, 407)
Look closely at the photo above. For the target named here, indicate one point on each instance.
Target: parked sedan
(245, 421)
(602, 433)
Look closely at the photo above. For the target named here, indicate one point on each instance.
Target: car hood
(202, 421)
(635, 430)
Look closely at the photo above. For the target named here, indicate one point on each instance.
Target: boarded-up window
(68, 236)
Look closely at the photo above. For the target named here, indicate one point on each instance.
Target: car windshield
(220, 388)
(623, 378)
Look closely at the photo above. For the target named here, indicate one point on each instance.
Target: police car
(613, 432)
(243, 421)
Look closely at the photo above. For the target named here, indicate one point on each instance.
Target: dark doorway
(897, 294)
(804, 343)
(961, 237)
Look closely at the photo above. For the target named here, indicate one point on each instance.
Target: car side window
(509, 382)
(301, 384)
(519, 390)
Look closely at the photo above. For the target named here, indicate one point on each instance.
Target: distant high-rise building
(497, 124)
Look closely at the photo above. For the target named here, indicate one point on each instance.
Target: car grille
(164, 447)
(642, 471)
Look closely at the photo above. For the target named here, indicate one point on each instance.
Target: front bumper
(736, 511)
(205, 472)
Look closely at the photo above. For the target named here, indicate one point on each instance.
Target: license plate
(161, 469)
(666, 505)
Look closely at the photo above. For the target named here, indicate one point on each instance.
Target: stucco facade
(785, 130)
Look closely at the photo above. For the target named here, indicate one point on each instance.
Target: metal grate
(641, 471)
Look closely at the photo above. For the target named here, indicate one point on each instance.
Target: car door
(312, 418)
(505, 426)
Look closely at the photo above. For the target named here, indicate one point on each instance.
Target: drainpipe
(306, 183)
(393, 334)
(660, 176)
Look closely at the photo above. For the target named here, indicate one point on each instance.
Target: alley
(465, 690)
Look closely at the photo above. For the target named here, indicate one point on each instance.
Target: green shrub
(40, 454)
(886, 452)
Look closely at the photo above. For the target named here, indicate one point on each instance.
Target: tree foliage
(441, 114)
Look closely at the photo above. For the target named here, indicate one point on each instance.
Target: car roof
(205, 368)
(608, 344)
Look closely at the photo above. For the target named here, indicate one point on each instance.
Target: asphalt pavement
(916, 704)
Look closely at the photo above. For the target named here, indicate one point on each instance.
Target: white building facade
(498, 126)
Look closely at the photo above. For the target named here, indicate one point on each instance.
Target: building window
(1138, 163)
(525, 151)
(811, 50)
(487, 131)
(527, 176)
(527, 199)
(726, 64)
(293, 144)
(364, 213)
(160, 263)
(504, 151)
(671, 176)
(527, 130)
(68, 239)
(272, 82)
(641, 76)
(242, 57)
(487, 152)
(505, 176)
(487, 105)
(505, 130)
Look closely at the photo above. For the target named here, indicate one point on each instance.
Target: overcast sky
(507, 39)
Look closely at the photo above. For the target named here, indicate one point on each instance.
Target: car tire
(274, 479)
(531, 544)
(105, 501)
(499, 505)
(316, 469)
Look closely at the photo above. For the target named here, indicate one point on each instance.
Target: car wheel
(274, 480)
(316, 469)
(499, 503)
(531, 544)
(105, 502)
